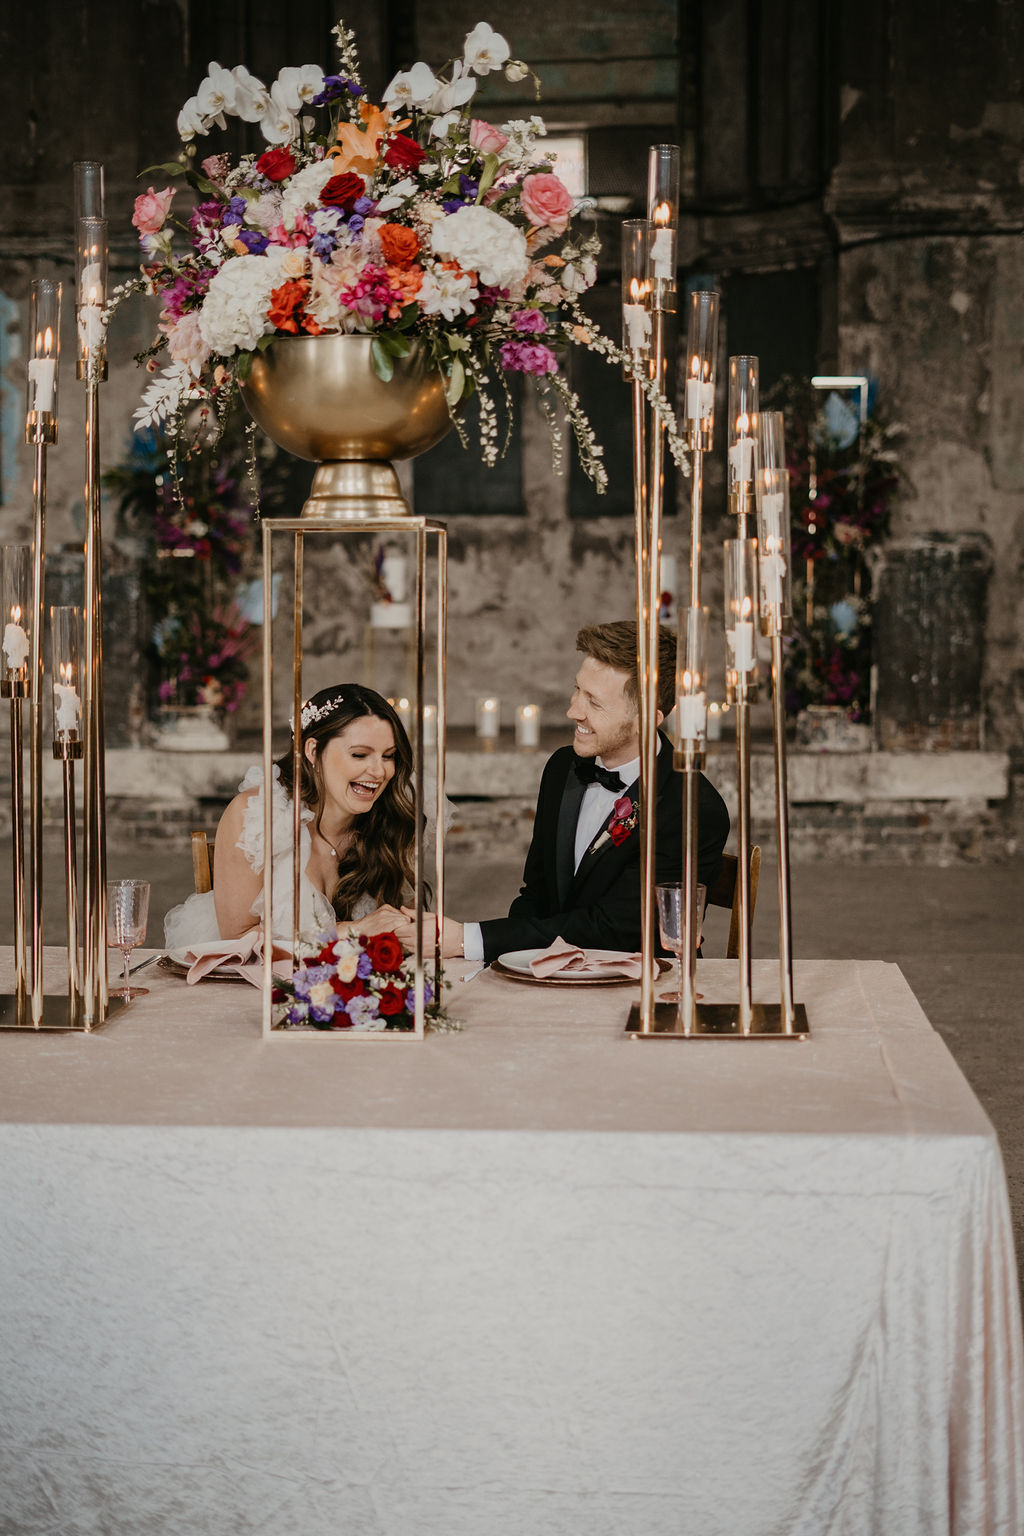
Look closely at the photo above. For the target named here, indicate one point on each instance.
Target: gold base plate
(720, 1021)
(56, 1016)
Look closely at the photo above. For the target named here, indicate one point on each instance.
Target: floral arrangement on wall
(843, 480)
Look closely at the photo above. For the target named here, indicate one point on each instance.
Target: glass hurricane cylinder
(636, 287)
(66, 645)
(89, 202)
(91, 293)
(16, 616)
(741, 605)
(743, 411)
(44, 363)
(663, 217)
(701, 353)
(692, 680)
(773, 531)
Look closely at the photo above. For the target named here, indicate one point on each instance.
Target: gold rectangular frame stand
(61, 1017)
(720, 1021)
(423, 533)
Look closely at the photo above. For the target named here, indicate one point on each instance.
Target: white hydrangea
(302, 193)
(304, 188)
(483, 242)
(449, 294)
(234, 312)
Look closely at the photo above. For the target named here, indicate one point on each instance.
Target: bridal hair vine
(313, 713)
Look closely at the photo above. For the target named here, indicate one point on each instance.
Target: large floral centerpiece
(408, 219)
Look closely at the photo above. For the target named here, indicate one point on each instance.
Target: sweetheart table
(530, 1278)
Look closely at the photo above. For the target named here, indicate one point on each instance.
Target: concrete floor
(957, 934)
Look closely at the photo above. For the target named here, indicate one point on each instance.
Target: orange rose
(400, 244)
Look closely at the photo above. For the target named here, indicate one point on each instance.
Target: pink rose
(486, 138)
(546, 201)
(151, 210)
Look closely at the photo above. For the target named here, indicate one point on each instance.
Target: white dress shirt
(595, 812)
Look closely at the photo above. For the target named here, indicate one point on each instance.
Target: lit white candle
(42, 372)
(773, 569)
(693, 715)
(15, 643)
(528, 725)
(741, 460)
(772, 510)
(69, 708)
(488, 718)
(403, 709)
(714, 722)
(638, 326)
(430, 725)
(743, 645)
(700, 400)
(90, 287)
(663, 254)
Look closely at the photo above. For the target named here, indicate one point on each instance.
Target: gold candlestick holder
(15, 684)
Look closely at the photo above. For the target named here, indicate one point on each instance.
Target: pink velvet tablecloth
(529, 1278)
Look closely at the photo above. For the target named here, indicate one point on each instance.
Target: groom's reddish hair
(614, 645)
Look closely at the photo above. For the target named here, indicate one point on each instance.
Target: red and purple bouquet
(353, 981)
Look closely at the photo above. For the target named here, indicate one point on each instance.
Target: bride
(357, 836)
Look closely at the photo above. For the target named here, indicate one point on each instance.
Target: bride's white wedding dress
(195, 920)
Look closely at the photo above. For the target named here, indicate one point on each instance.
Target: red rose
(276, 164)
(348, 989)
(343, 191)
(392, 1001)
(619, 832)
(403, 154)
(385, 952)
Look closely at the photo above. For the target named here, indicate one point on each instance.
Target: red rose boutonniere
(624, 817)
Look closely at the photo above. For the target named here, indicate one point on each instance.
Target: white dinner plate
(516, 962)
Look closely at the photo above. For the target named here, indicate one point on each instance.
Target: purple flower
(323, 245)
(235, 211)
(528, 357)
(363, 206)
(335, 86)
(364, 966)
(529, 320)
(356, 222)
(254, 242)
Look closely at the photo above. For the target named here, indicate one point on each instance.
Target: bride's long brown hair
(379, 860)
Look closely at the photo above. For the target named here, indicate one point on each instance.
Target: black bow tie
(589, 770)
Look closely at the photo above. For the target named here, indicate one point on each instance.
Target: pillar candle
(528, 725)
(488, 718)
(15, 646)
(69, 708)
(638, 326)
(700, 400)
(693, 714)
(43, 373)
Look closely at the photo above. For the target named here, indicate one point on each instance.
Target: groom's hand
(451, 933)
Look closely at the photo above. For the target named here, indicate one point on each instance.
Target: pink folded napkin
(243, 955)
(562, 959)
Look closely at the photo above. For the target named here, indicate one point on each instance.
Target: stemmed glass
(127, 911)
(670, 925)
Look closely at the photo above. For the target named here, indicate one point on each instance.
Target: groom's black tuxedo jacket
(598, 906)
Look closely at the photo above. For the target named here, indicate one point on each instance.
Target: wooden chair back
(202, 862)
(726, 893)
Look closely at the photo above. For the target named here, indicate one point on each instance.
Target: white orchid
(251, 96)
(411, 88)
(296, 86)
(400, 193)
(191, 120)
(455, 93)
(485, 49)
(449, 294)
(217, 94)
(440, 126)
(279, 124)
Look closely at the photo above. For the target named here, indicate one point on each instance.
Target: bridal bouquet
(351, 981)
(408, 218)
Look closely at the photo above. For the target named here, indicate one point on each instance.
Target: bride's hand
(384, 920)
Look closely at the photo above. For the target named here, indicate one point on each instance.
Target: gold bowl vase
(319, 398)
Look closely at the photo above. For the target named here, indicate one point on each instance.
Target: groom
(582, 876)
